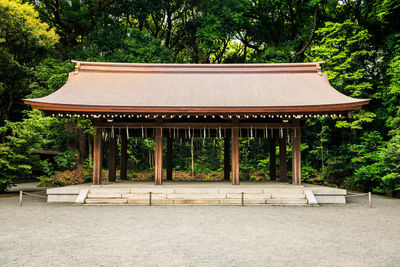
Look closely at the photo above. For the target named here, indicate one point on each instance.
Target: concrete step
(144, 196)
(286, 201)
(109, 190)
(289, 196)
(104, 195)
(196, 190)
(249, 196)
(209, 201)
(195, 196)
(203, 201)
(114, 201)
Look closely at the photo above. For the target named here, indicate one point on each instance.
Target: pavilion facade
(168, 101)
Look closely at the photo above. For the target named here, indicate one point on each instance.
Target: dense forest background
(359, 41)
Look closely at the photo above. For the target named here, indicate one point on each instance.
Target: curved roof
(197, 88)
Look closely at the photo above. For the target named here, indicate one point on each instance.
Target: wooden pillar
(272, 159)
(112, 158)
(235, 156)
(97, 155)
(124, 157)
(169, 158)
(282, 159)
(296, 156)
(158, 157)
(227, 166)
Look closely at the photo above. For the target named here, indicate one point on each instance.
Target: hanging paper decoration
(127, 132)
(142, 132)
(219, 131)
(205, 133)
(281, 132)
(288, 135)
(266, 132)
(251, 131)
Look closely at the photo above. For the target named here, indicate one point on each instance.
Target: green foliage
(349, 60)
(18, 159)
(12, 167)
(49, 75)
(24, 40)
(136, 47)
(66, 160)
(390, 163)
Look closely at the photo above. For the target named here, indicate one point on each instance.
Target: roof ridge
(198, 68)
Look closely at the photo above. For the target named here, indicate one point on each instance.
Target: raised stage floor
(197, 193)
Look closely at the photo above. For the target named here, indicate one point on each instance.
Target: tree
(24, 40)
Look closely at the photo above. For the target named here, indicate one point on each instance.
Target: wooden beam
(97, 155)
(124, 157)
(282, 158)
(158, 157)
(235, 156)
(169, 158)
(199, 125)
(227, 166)
(229, 110)
(296, 156)
(112, 158)
(272, 159)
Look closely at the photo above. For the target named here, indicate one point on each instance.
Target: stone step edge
(253, 197)
(200, 201)
(127, 204)
(195, 191)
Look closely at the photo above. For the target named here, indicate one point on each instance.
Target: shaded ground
(41, 234)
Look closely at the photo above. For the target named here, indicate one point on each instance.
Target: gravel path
(41, 234)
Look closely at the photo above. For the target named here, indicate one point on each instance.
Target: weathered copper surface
(197, 88)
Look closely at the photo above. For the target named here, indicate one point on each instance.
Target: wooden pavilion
(197, 100)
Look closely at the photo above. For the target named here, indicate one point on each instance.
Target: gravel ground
(41, 234)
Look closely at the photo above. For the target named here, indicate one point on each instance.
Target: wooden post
(97, 155)
(272, 159)
(169, 158)
(369, 199)
(158, 157)
(235, 156)
(282, 159)
(296, 158)
(124, 157)
(112, 170)
(227, 170)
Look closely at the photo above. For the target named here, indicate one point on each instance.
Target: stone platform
(197, 193)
